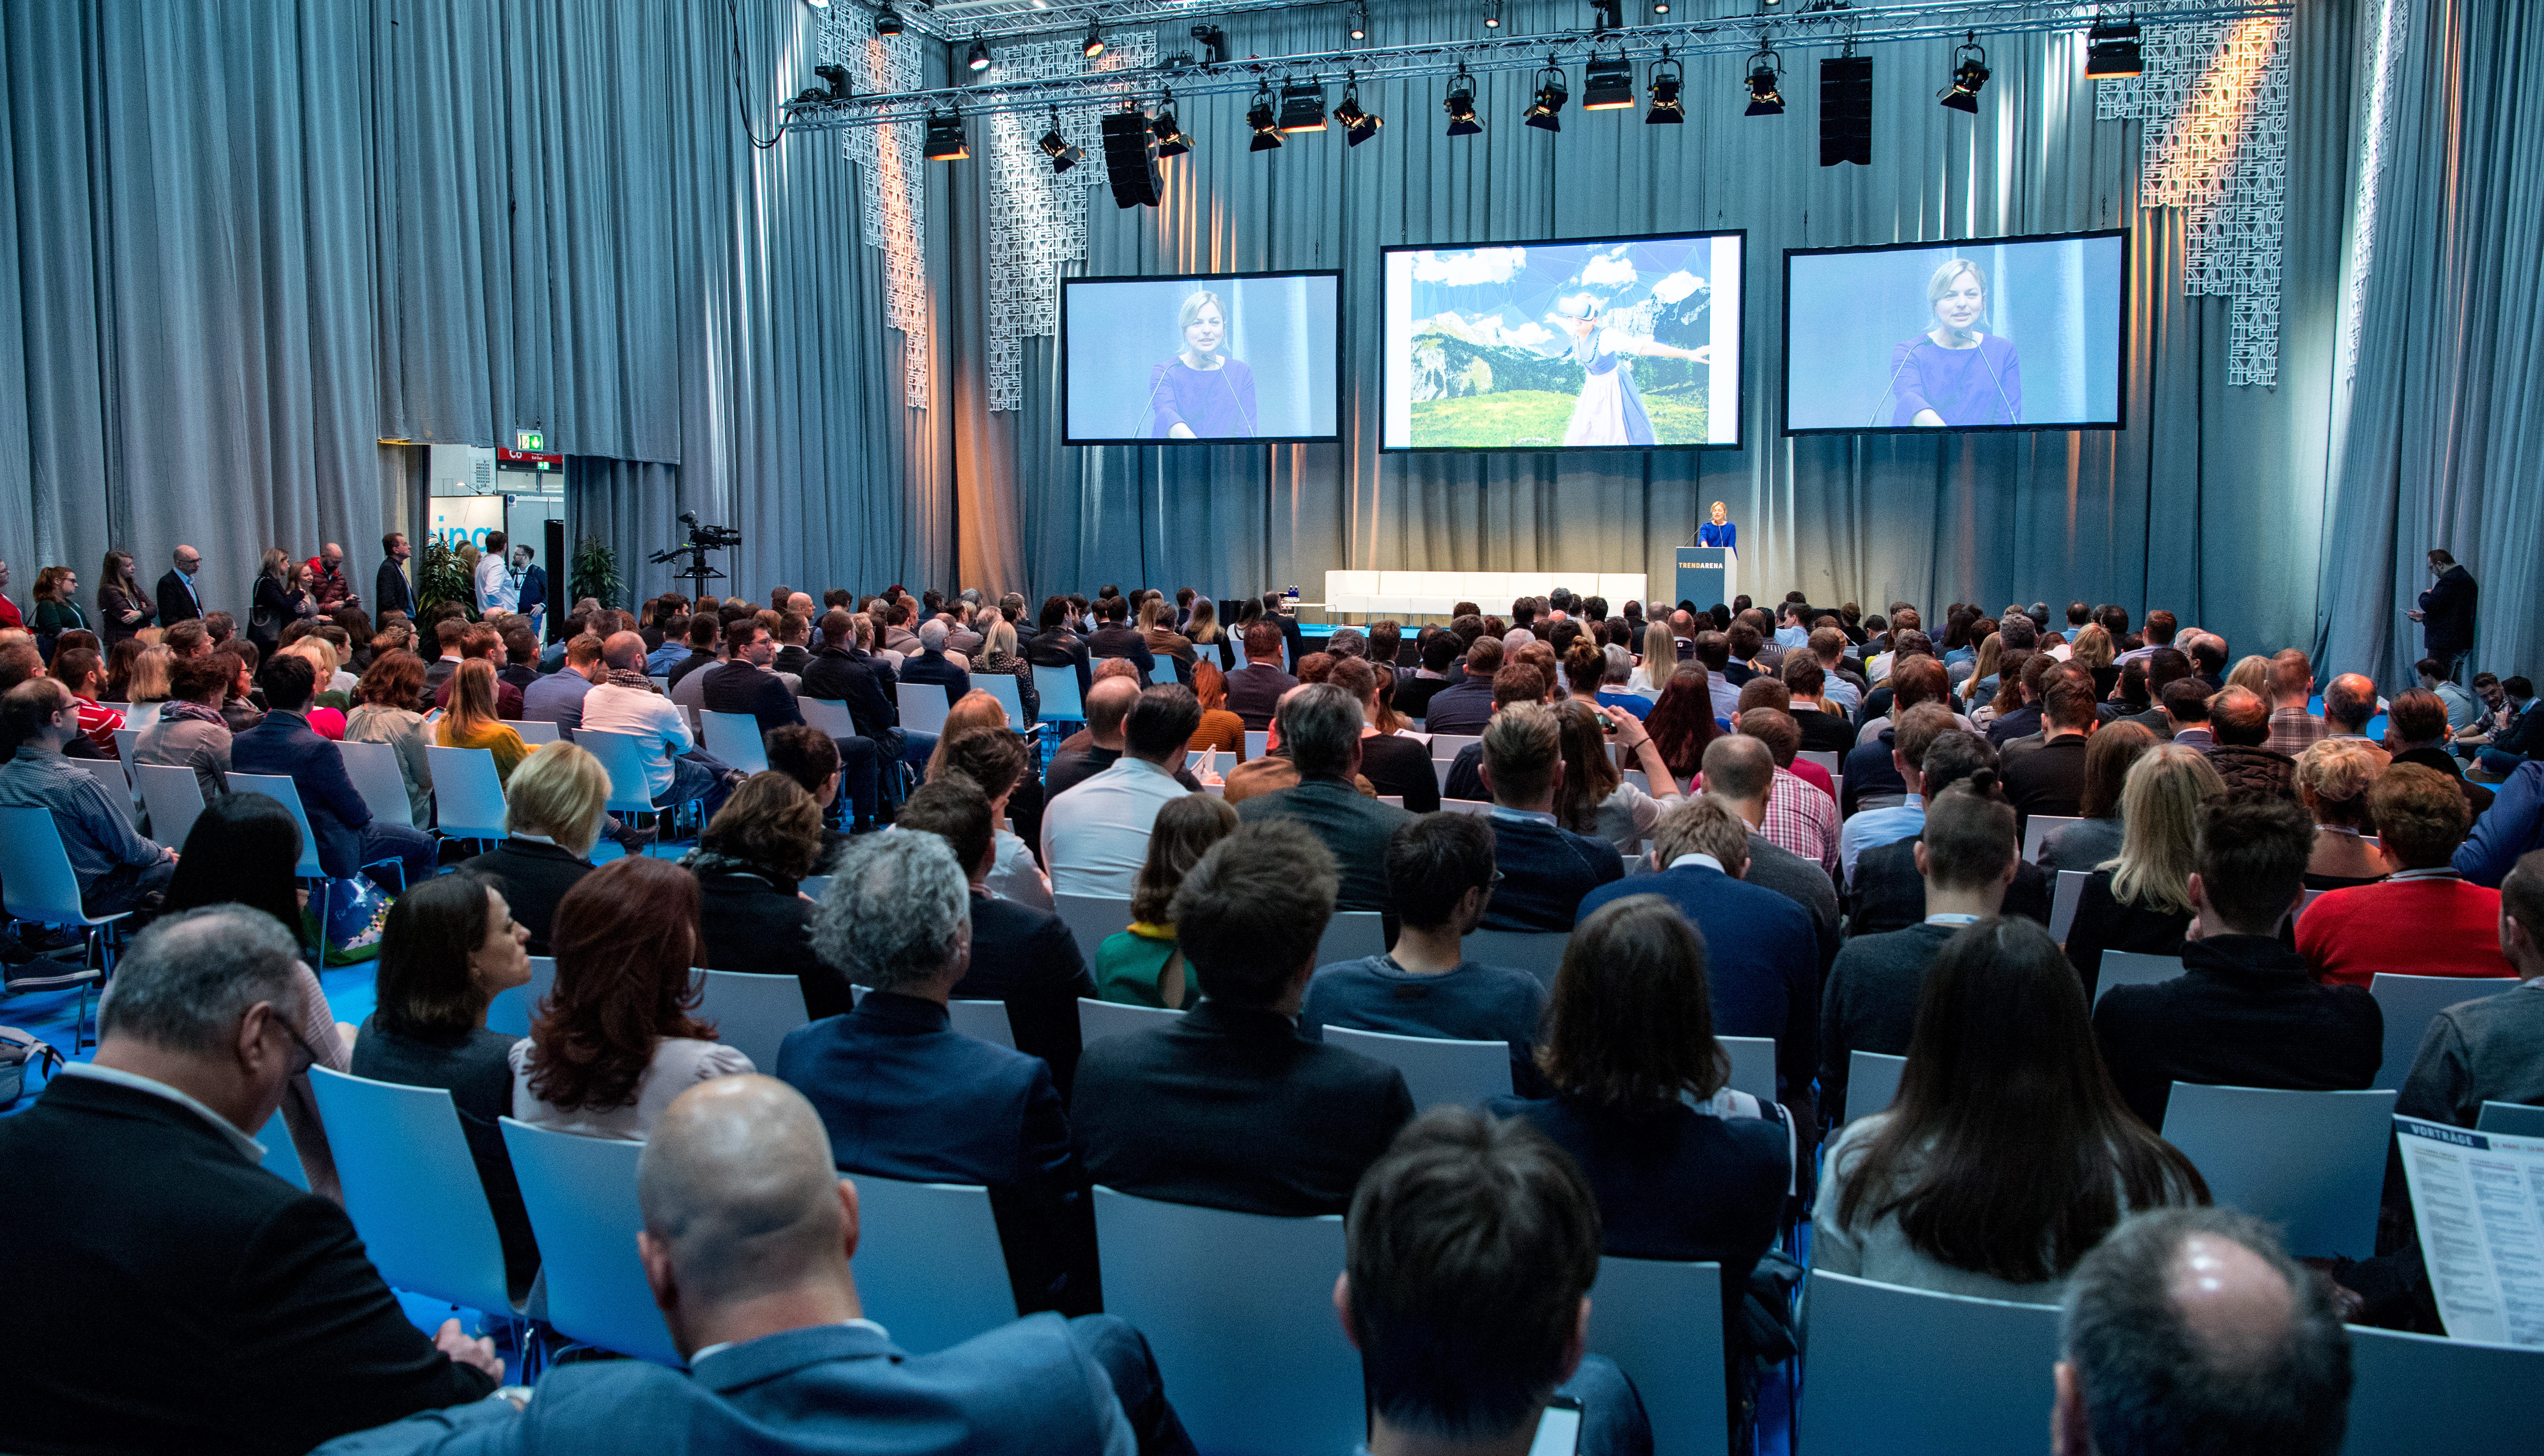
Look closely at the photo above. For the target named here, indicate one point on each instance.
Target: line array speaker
(1131, 160)
(1846, 110)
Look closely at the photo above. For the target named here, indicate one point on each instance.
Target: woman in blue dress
(1720, 530)
(1953, 375)
(1200, 393)
(1610, 410)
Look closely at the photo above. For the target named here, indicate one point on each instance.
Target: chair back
(1002, 686)
(2311, 1162)
(2036, 831)
(752, 1012)
(467, 794)
(1352, 935)
(279, 787)
(110, 777)
(1216, 1292)
(1824, 758)
(982, 1020)
(1097, 1020)
(2411, 1003)
(828, 715)
(373, 768)
(622, 757)
(735, 738)
(1753, 1065)
(580, 1195)
(282, 1154)
(1255, 744)
(1480, 807)
(535, 732)
(512, 1011)
(125, 740)
(2130, 968)
(1540, 953)
(923, 706)
(1438, 1072)
(2063, 901)
(1871, 1082)
(174, 797)
(412, 1188)
(1445, 747)
(2425, 1392)
(2513, 1119)
(1091, 920)
(1057, 688)
(1655, 1318)
(1902, 1372)
(929, 1266)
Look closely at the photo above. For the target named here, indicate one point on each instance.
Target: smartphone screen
(1558, 1430)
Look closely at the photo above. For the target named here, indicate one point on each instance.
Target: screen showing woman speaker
(1202, 357)
(1988, 334)
(1600, 344)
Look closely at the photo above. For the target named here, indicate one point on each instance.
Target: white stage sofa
(1400, 594)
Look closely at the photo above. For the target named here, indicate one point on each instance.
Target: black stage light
(1264, 119)
(1668, 79)
(945, 141)
(1057, 147)
(1461, 105)
(1545, 109)
(1093, 45)
(1492, 15)
(2111, 49)
(888, 21)
(1171, 141)
(1358, 125)
(1130, 161)
(1303, 106)
(1359, 21)
(1765, 68)
(1214, 45)
(838, 76)
(1607, 84)
(1846, 110)
(978, 59)
(1969, 73)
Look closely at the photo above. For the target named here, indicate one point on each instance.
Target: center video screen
(1201, 358)
(1985, 333)
(1582, 344)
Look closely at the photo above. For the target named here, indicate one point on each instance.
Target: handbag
(17, 1049)
(357, 912)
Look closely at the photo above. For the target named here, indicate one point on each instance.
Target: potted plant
(443, 577)
(595, 572)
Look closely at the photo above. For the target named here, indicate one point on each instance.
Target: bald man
(747, 1237)
(2190, 1329)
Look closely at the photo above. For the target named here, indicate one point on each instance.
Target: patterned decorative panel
(890, 160)
(2214, 100)
(2384, 50)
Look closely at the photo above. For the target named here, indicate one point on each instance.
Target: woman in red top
(8, 609)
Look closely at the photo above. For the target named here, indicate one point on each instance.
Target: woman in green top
(57, 608)
(1142, 965)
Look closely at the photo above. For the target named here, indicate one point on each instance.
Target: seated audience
(2294, 724)
(1684, 718)
(1596, 797)
(2185, 712)
(1095, 836)
(2007, 1154)
(2242, 756)
(811, 757)
(1802, 804)
(1546, 868)
(704, 630)
(1096, 747)
(1219, 728)
(1888, 892)
(2491, 1049)
(2246, 1010)
(468, 719)
(388, 708)
(1740, 771)
(614, 1040)
(750, 861)
(350, 839)
(1466, 704)
(1440, 877)
(1515, 682)
(1472, 1246)
(905, 1096)
(557, 697)
(2191, 1330)
(1824, 728)
(450, 948)
(188, 731)
(2333, 779)
(2096, 834)
(480, 642)
(553, 818)
(1968, 857)
(83, 671)
(1254, 690)
(2050, 779)
(745, 685)
(2423, 920)
(1230, 1107)
(1321, 732)
(2417, 733)
(1437, 652)
(118, 870)
(2142, 903)
(1395, 766)
(1142, 965)
(2513, 826)
(626, 702)
(175, 1274)
(1871, 829)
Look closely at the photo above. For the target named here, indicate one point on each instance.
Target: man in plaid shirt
(1800, 818)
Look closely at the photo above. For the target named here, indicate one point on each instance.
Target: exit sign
(528, 441)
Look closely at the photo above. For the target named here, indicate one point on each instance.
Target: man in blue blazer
(747, 1244)
(1762, 962)
(285, 745)
(1546, 869)
(905, 1097)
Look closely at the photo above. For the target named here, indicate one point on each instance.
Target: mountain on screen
(1455, 355)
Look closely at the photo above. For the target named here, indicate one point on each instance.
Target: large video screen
(1988, 334)
(1201, 358)
(1578, 344)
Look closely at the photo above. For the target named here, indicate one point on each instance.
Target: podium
(1707, 574)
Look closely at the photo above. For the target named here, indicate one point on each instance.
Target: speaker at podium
(1707, 574)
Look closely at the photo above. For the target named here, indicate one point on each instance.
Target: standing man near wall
(390, 592)
(497, 588)
(2445, 612)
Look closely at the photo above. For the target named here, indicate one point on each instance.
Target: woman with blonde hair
(2094, 654)
(2333, 778)
(1660, 660)
(1204, 631)
(976, 709)
(148, 680)
(998, 654)
(1157, 629)
(1143, 965)
(2253, 674)
(470, 721)
(553, 809)
(278, 598)
(2142, 902)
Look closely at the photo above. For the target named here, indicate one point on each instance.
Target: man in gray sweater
(2490, 1050)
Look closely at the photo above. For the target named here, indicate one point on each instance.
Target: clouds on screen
(1615, 270)
(1471, 266)
(1676, 286)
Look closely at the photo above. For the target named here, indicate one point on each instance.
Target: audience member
(2490, 1048)
(1095, 748)
(704, 630)
(188, 731)
(2292, 722)
(1888, 892)
(1254, 690)
(2333, 779)
(1321, 732)
(750, 861)
(557, 697)
(350, 839)
(1546, 868)
(1396, 766)
(2426, 918)
(1596, 797)
(932, 664)
(481, 644)
(2185, 712)
(2095, 835)
(2246, 1012)
(2142, 903)
(2007, 1154)
(1874, 779)
(390, 709)
(1230, 1107)
(1740, 771)
(1095, 835)
(625, 702)
(2241, 724)
(2348, 704)
(2050, 779)
(1467, 703)
(1686, 718)
(1142, 965)
(118, 870)
(552, 818)
(468, 719)
(1920, 725)
(2417, 733)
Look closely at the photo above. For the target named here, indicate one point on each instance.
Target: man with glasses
(178, 600)
(118, 868)
(177, 1278)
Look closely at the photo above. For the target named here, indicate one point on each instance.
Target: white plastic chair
(1097, 1020)
(829, 714)
(412, 1188)
(110, 777)
(535, 732)
(2420, 1393)
(735, 738)
(580, 1197)
(2063, 901)
(929, 1266)
(1540, 953)
(1002, 686)
(1902, 1372)
(2411, 1003)
(1057, 687)
(1661, 1322)
(1440, 768)
(1255, 744)
(1445, 747)
(373, 768)
(1092, 919)
(1871, 1082)
(2311, 1162)
(2130, 969)
(1239, 1310)
(982, 1020)
(1481, 809)
(2518, 1119)
(2037, 829)
(174, 797)
(1753, 1065)
(1438, 1072)
(467, 794)
(622, 757)
(511, 1012)
(1352, 935)
(1824, 758)
(923, 706)
(127, 739)
(752, 1012)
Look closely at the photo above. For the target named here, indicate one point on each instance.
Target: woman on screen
(1610, 410)
(1953, 376)
(1200, 393)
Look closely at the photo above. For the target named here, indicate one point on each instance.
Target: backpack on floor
(357, 910)
(18, 1051)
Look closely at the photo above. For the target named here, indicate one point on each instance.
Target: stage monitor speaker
(1846, 110)
(1131, 160)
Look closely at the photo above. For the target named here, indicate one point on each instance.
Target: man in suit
(284, 744)
(2186, 713)
(1545, 867)
(179, 601)
(1054, 646)
(175, 1275)
(838, 673)
(930, 666)
(530, 586)
(905, 1096)
(2050, 779)
(743, 684)
(1763, 964)
(2446, 612)
(1118, 638)
(1320, 731)
(1230, 1107)
(389, 589)
(748, 1239)
(1465, 705)
(1254, 690)
(1740, 771)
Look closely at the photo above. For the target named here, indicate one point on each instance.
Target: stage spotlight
(1660, 7)
(1056, 146)
(1545, 109)
(1668, 78)
(1303, 106)
(1765, 68)
(1093, 45)
(1171, 141)
(1969, 73)
(1358, 125)
(1607, 84)
(888, 21)
(978, 59)
(1359, 21)
(838, 76)
(1492, 15)
(945, 141)
(1214, 45)
(2111, 49)
(1265, 122)
(1461, 105)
